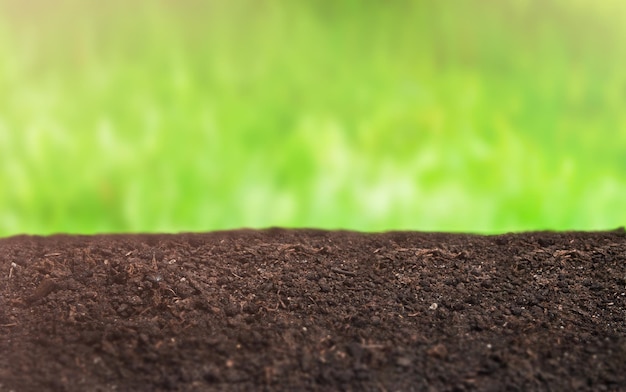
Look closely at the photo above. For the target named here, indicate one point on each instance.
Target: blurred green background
(164, 116)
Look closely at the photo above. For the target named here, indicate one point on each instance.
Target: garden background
(164, 116)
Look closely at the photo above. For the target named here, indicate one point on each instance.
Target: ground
(313, 310)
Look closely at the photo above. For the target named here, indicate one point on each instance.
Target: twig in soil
(46, 287)
(343, 272)
(8, 325)
(381, 386)
(13, 266)
(280, 300)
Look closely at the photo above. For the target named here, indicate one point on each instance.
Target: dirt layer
(313, 310)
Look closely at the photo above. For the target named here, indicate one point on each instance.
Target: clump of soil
(313, 310)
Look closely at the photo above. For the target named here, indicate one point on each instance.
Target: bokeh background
(484, 116)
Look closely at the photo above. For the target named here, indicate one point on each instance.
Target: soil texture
(312, 310)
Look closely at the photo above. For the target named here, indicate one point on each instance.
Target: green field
(150, 116)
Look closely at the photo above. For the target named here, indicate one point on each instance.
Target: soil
(313, 310)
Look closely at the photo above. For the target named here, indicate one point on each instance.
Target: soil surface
(313, 310)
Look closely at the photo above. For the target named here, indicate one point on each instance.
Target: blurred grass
(483, 116)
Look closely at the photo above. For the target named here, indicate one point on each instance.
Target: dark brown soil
(313, 310)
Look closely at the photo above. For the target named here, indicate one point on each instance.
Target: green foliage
(483, 116)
